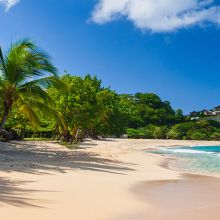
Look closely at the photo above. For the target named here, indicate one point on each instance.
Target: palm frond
(25, 73)
(25, 61)
(34, 91)
(44, 82)
(50, 112)
(27, 109)
(3, 69)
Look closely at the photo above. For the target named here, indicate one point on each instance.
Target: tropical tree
(25, 71)
(88, 109)
(148, 108)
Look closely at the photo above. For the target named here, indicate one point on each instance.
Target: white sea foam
(200, 159)
(185, 151)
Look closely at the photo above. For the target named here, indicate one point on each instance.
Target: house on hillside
(217, 110)
(209, 113)
(204, 113)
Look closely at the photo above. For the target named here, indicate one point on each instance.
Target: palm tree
(25, 72)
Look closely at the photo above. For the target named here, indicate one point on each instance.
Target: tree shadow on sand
(12, 194)
(27, 157)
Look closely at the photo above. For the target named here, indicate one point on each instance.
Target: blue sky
(176, 54)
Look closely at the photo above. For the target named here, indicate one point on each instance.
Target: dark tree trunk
(93, 134)
(5, 134)
(4, 117)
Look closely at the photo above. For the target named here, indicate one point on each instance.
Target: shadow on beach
(46, 158)
(28, 157)
(12, 194)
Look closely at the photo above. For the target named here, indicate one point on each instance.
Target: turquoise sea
(198, 159)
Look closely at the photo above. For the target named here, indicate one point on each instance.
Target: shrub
(175, 133)
(148, 132)
(135, 133)
(160, 132)
(215, 136)
(198, 135)
(199, 130)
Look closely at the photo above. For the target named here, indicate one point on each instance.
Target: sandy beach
(112, 179)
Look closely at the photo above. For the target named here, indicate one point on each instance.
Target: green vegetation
(148, 108)
(200, 130)
(155, 119)
(23, 75)
(37, 105)
(87, 109)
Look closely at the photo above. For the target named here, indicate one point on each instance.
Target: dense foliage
(35, 102)
(88, 109)
(148, 108)
(23, 75)
(199, 130)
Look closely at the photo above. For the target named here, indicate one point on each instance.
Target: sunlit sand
(111, 179)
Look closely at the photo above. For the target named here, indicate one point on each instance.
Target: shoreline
(167, 159)
(95, 181)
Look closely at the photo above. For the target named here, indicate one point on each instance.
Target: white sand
(43, 181)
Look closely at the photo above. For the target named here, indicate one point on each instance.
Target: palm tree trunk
(4, 117)
(5, 134)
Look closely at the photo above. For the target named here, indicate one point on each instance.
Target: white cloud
(158, 15)
(8, 3)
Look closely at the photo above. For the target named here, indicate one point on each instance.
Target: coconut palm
(25, 72)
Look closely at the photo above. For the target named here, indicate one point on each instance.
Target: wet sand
(189, 198)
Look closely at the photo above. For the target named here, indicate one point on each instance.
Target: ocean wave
(195, 159)
(184, 151)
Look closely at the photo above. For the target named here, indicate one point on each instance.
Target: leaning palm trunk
(4, 118)
(5, 134)
(7, 107)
